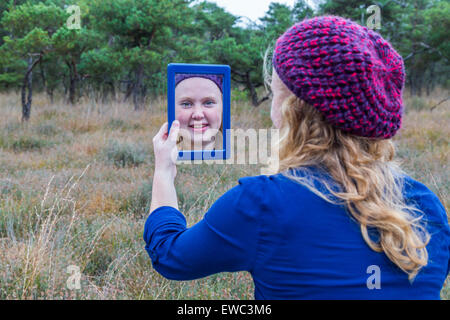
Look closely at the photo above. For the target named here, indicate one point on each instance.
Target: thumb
(174, 130)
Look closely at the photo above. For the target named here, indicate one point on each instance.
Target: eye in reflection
(185, 105)
(210, 103)
(199, 108)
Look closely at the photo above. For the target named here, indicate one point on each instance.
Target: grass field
(75, 187)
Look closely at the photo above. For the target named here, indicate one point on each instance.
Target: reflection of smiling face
(198, 107)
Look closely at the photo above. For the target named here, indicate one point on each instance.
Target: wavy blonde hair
(367, 173)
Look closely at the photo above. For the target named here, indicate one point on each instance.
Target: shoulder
(417, 193)
(281, 185)
(260, 190)
(263, 184)
(258, 180)
(246, 201)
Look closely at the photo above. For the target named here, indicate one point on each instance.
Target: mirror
(199, 98)
(199, 108)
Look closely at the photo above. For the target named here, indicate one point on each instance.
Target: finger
(174, 154)
(174, 130)
(161, 131)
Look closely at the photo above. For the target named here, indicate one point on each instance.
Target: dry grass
(64, 202)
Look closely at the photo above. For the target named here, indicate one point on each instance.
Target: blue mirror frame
(224, 70)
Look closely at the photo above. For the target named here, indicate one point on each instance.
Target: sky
(253, 9)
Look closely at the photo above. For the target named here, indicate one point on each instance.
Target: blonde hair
(367, 173)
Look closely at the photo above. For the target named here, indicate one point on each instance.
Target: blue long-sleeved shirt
(295, 244)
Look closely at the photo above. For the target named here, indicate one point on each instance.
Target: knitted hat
(349, 73)
(217, 79)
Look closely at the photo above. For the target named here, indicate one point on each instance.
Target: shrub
(417, 103)
(119, 124)
(19, 138)
(98, 262)
(12, 127)
(239, 96)
(50, 114)
(138, 203)
(10, 188)
(25, 143)
(124, 154)
(47, 129)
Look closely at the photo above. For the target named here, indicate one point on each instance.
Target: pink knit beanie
(349, 73)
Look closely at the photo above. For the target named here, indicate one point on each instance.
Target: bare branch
(433, 107)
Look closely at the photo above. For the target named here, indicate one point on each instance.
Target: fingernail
(176, 122)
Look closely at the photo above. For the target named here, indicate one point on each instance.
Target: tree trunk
(64, 84)
(108, 88)
(130, 89)
(72, 90)
(50, 94)
(28, 85)
(129, 86)
(412, 85)
(430, 82)
(113, 90)
(137, 86)
(73, 80)
(44, 80)
(252, 90)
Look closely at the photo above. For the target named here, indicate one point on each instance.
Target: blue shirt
(294, 244)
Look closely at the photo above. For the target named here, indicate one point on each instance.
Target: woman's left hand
(165, 149)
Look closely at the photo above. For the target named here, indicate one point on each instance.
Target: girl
(338, 219)
(199, 108)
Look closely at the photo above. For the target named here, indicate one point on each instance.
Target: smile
(199, 127)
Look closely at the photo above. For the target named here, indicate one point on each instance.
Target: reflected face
(198, 107)
(280, 93)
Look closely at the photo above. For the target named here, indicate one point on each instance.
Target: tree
(416, 29)
(302, 11)
(11, 75)
(277, 20)
(126, 44)
(30, 28)
(436, 18)
(142, 29)
(102, 69)
(70, 44)
(244, 54)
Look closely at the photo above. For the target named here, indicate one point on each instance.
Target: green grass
(75, 189)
